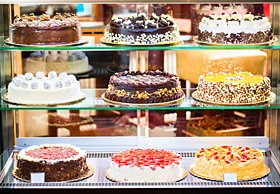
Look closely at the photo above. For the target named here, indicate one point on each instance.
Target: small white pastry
(40, 74)
(24, 84)
(34, 85)
(28, 76)
(52, 75)
(47, 85)
(62, 76)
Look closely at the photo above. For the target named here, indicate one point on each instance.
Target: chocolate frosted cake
(242, 87)
(59, 162)
(45, 31)
(235, 29)
(144, 87)
(139, 30)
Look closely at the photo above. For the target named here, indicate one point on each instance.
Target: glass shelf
(93, 101)
(94, 44)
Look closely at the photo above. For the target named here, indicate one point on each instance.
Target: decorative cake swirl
(144, 87)
(235, 29)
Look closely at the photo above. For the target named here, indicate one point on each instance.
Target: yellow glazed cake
(212, 162)
(242, 87)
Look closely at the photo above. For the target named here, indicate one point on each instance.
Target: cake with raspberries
(139, 30)
(235, 29)
(144, 87)
(212, 162)
(241, 87)
(41, 89)
(59, 162)
(145, 165)
(42, 30)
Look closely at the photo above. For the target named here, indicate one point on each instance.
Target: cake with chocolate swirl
(144, 87)
(242, 87)
(33, 30)
(142, 31)
(59, 162)
(235, 29)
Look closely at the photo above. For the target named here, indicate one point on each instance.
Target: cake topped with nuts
(212, 162)
(142, 30)
(44, 30)
(241, 87)
(41, 89)
(235, 29)
(144, 87)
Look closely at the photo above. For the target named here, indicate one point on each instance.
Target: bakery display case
(165, 112)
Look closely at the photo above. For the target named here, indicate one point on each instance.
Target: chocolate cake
(235, 29)
(59, 162)
(139, 30)
(144, 87)
(45, 31)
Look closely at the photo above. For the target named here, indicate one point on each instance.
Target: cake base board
(270, 99)
(103, 40)
(9, 42)
(88, 174)
(265, 172)
(272, 41)
(108, 175)
(90, 68)
(170, 103)
(6, 99)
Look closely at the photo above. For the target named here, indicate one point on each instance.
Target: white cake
(148, 165)
(30, 89)
(71, 62)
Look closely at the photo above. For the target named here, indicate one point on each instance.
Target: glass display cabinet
(103, 128)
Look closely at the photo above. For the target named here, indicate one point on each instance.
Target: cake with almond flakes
(212, 162)
(241, 87)
(145, 165)
(59, 162)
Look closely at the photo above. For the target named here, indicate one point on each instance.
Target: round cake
(144, 87)
(139, 30)
(212, 162)
(71, 62)
(148, 165)
(59, 162)
(235, 29)
(27, 89)
(242, 87)
(45, 31)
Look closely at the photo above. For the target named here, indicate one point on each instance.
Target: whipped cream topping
(235, 23)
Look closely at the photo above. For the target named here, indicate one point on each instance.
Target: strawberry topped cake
(145, 165)
(59, 162)
(212, 162)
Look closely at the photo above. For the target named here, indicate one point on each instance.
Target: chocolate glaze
(60, 171)
(45, 35)
(152, 91)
